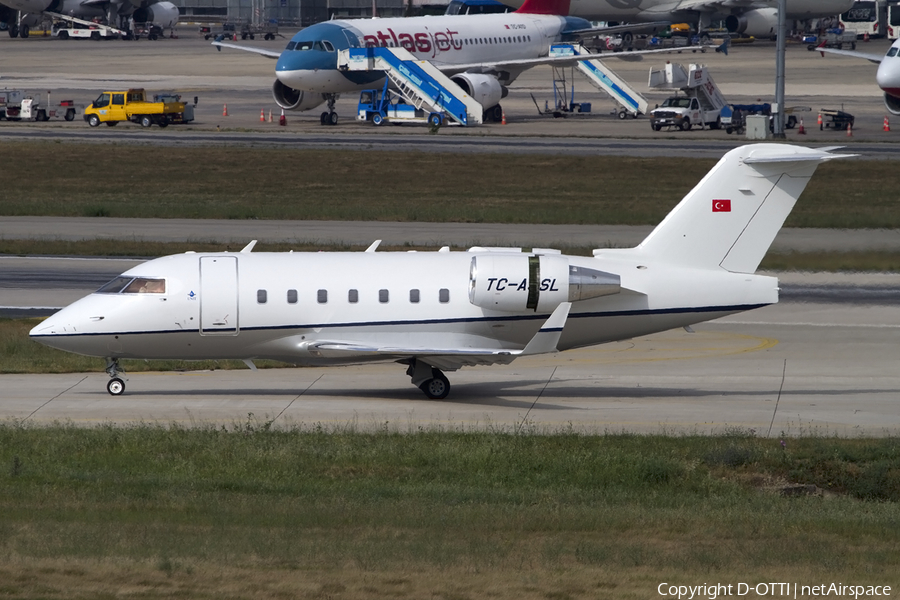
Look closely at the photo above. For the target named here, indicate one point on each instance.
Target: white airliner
(887, 76)
(483, 54)
(439, 311)
(162, 13)
(758, 18)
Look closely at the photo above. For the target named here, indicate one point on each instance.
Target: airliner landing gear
(115, 386)
(330, 117)
(429, 379)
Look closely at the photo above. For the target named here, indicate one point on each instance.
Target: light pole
(778, 129)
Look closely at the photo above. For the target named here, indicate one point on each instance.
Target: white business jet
(887, 76)
(439, 311)
(482, 54)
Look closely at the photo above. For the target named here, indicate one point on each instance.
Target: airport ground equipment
(76, 28)
(132, 105)
(419, 82)
(16, 105)
(832, 39)
(701, 104)
(836, 119)
(233, 30)
(629, 101)
(381, 105)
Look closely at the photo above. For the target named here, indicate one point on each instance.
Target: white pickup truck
(701, 105)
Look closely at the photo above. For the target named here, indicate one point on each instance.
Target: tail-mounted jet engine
(290, 99)
(539, 282)
(761, 23)
(485, 89)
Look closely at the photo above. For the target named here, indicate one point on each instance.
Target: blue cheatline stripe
(609, 82)
(550, 329)
(591, 315)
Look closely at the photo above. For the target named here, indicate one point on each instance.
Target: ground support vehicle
(835, 119)
(15, 105)
(734, 116)
(832, 39)
(132, 105)
(65, 31)
(268, 31)
(701, 104)
(381, 105)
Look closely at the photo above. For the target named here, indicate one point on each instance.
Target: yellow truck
(132, 105)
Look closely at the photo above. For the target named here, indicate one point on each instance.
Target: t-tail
(545, 7)
(730, 219)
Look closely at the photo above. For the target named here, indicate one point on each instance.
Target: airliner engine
(164, 14)
(290, 99)
(512, 282)
(761, 23)
(485, 89)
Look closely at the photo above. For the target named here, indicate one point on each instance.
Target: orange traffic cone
(849, 130)
(282, 120)
(224, 110)
(866, 37)
(887, 124)
(801, 130)
(262, 115)
(821, 127)
(270, 115)
(503, 118)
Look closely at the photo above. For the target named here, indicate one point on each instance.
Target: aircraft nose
(888, 76)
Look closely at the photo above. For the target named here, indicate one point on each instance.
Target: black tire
(655, 126)
(252, 37)
(13, 31)
(94, 121)
(63, 35)
(497, 113)
(42, 115)
(377, 119)
(95, 35)
(332, 118)
(70, 114)
(791, 122)
(811, 47)
(623, 115)
(112, 123)
(206, 37)
(115, 387)
(729, 130)
(163, 122)
(434, 120)
(146, 121)
(717, 124)
(685, 125)
(243, 36)
(436, 388)
(24, 31)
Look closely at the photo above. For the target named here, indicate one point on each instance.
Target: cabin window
(353, 296)
(414, 296)
(143, 285)
(118, 99)
(383, 296)
(292, 296)
(444, 295)
(262, 296)
(322, 296)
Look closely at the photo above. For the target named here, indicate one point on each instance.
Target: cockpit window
(308, 46)
(291, 45)
(134, 285)
(328, 45)
(892, 52)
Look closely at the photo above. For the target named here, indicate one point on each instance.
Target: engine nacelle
(521, 282)
(164, 14)
(892, 103)
(485, 89)
(290, 99)
(761, 23)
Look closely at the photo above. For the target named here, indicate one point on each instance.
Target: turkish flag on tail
(721, 205)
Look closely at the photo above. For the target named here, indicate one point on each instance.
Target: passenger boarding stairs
(418, 81)
(603, 78)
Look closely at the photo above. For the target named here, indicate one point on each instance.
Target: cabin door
(218, 295)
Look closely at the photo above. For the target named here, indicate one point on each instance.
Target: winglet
(723, 47)
(547, 337)
(248, 248)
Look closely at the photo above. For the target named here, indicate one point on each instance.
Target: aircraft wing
(718, 5)
(544, 341)
(560, 61)
(875, 58)
(263, 51)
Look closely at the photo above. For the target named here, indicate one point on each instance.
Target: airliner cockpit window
(892, 52)
(327, 45)
(309, 46)
(291, 45)
(142, 285)
(115, 286)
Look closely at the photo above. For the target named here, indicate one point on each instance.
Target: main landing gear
(429, 379)
(329, 117)
(115, 386)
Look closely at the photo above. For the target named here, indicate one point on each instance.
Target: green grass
(434, 513)
(254, 183)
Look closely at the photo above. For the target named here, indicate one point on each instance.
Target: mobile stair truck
(381, 105)
(132, 105)
(701, 104)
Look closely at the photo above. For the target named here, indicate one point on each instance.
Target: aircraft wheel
(115, 387)
(146, 121)
(24, 32)
(377, 119)
(332, 118)
(436, 388)
(497, 113)
(13, 31)
(324, 118)
(94, 121)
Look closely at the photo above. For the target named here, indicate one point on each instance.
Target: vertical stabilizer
(731, 217)
(545, 7)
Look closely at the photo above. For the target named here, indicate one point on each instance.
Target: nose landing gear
(115, 386)
(430, 380)
(329, 117)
